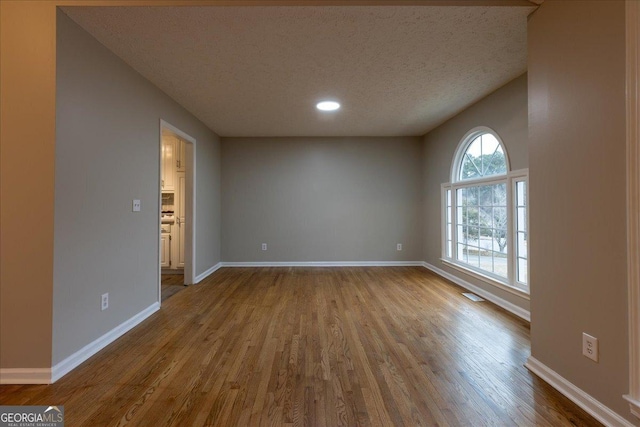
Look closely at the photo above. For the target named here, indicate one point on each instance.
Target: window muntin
(483, 157)
(485, 212)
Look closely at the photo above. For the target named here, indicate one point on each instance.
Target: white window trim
(502, 179)
(510, 284)
(480, 275)
(519, 176)
(443, 221)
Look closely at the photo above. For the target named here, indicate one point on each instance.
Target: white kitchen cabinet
(180, 155)
(180, 220)
(165, 250)
(173, 184)
(168, 170)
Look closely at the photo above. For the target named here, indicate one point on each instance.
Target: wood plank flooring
(395, 346)
(171, 284)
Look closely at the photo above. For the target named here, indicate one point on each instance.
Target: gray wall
(577, 193)
(107, 153)
(321, 199)
(504, 111)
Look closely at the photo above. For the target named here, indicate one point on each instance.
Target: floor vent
(472, 297)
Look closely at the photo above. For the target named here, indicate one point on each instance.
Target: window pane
(471, 196)
(499, 217)
(485, 193)
(482, 227)
(472, 253)
(521, 229)
(503, 246)
(486, 232)
(500, 264)
(475, 148)
(483, 157)
(462, 252)
(522, 219)
(500, 240)
(486, 216)
(460, 210)
(522, 244)
(489, 144)
(521, 193)
(471, 215)
(499, 162)
(495, 245)
(447, 223)
(500, 194)
(486, 261)
(469, 168)
(496, 263)
(472, 234)
(489, 147)
(522, 270)
(493, 165)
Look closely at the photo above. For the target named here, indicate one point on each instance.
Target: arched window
(485, 212)
(482, 157)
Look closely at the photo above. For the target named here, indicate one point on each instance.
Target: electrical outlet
(590, 347)
(136, 205)
(264, 246)
(104, 302)
(399, 246)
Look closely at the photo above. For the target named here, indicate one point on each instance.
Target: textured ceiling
(258, 71)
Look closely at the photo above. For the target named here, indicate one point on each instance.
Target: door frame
(190, 204)
(632, 13)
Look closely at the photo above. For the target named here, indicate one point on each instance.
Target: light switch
(136, 205)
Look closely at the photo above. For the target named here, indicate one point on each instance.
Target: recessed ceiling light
(327, 106)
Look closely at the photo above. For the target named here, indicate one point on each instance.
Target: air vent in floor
(472, 297)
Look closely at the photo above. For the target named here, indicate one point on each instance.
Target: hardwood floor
(171, 284)
(384, 347)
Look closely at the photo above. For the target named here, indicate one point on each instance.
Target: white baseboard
(200, 277)
(25, 376)
(325, 264)
(518, 311)
(596, 409)
(73, 361)
(634, 405)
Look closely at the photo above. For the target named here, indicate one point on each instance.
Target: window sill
(486, 279)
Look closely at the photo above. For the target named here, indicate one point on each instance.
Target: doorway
(176, 210)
